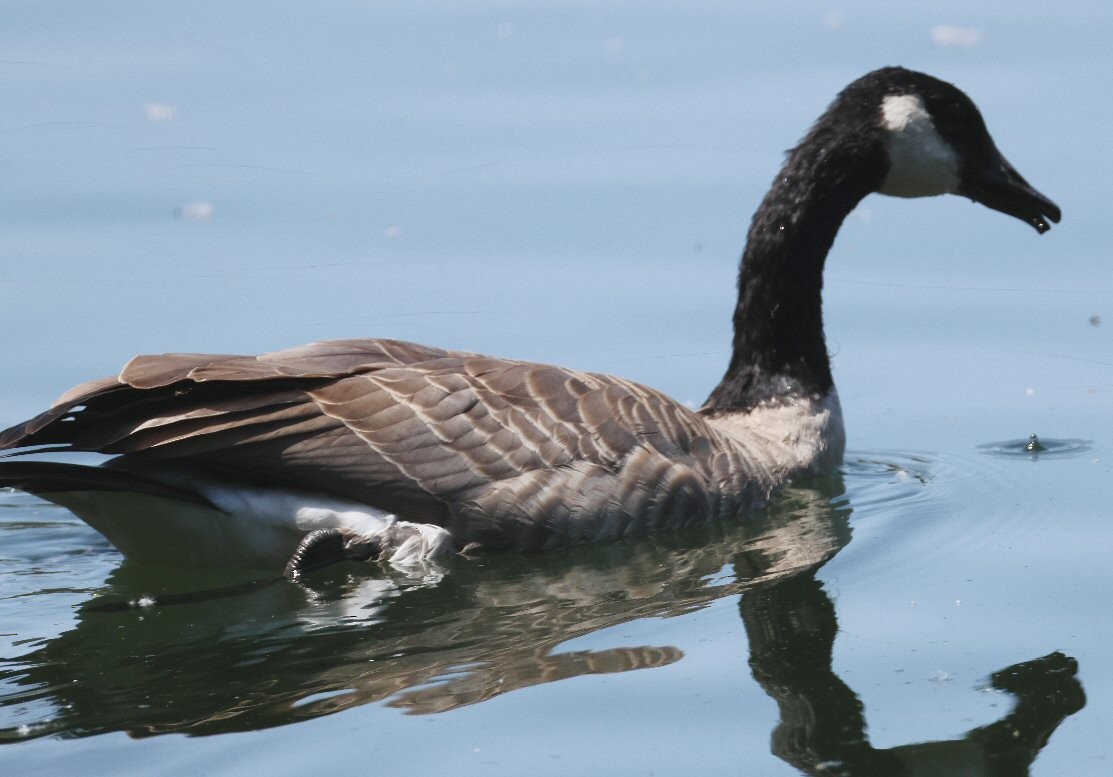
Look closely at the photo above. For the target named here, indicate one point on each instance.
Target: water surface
(568, 183)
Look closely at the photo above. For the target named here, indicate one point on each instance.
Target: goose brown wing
(164, 381)
(404, 427)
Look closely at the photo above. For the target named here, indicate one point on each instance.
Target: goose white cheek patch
(922, 163)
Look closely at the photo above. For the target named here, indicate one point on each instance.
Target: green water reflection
(218, 655)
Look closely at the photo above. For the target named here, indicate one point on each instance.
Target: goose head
(936, 142)
(892, 131)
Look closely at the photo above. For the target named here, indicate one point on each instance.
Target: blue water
(569, 183)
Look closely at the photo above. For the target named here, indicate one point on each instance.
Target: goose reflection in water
(822, 731)
(259, 654)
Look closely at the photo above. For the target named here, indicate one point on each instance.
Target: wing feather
(431, 434)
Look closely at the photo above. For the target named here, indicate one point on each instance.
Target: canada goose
(386, 449)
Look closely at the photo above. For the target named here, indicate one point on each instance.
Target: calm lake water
(569, 182)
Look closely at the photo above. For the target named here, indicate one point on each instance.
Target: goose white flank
(380, 449)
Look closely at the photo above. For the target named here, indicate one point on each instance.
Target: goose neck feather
(779, 347)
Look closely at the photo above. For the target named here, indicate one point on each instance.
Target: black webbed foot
(318, 549)
(323, 547)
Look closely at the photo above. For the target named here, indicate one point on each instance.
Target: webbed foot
(319, 548)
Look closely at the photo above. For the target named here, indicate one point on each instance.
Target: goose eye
(949, 113)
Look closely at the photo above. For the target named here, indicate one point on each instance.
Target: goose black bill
(1002, 188)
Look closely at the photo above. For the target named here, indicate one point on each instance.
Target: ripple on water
(1034, 447)
(919, 512)
(886, 478)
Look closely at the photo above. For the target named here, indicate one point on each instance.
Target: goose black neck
(779, 347)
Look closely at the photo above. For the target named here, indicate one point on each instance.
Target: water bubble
(159, 111)
(197, 211)
(951, 36)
